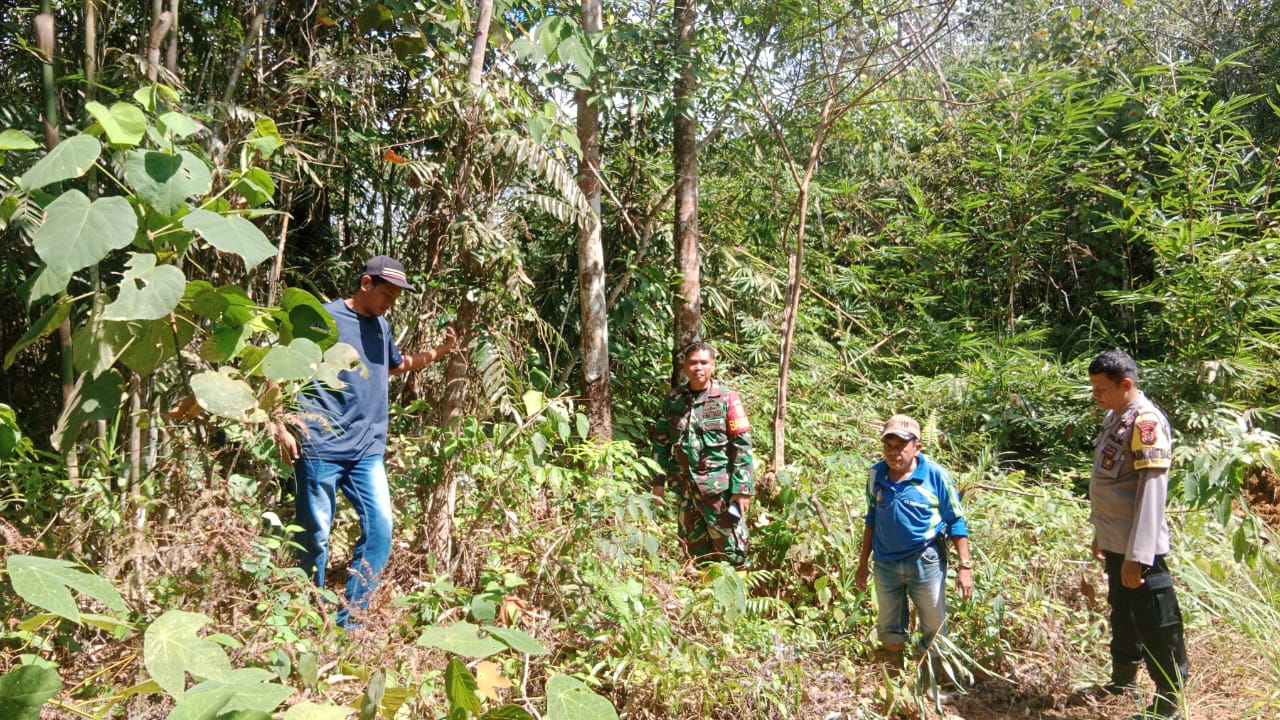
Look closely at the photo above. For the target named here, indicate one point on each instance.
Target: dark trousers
(1146, 625)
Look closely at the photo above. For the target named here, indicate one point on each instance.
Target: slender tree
(686, 305)
(591, 273)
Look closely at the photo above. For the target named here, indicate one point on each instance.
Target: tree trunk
(686, 306)
(591, 274)
(438, 528)
(44, 30)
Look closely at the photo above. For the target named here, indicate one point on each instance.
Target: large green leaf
(518, 640)
(232, 234)
(255, 184)
(172, 647)
(336, 359)
(12, 139)
(144, 345)
(166, 181)
(570, 699)
(178, 124)
(461, 639)
(460, 687)
(24, 689)
(47, 283)
(312, 711)
(78, 233)
(148, 291)
(123, 122)
(205, 705)
(47, 583)
(71, 158)
(304, 316)
(94, 397)
(299, 360)
(249, 690)
(42, 327)
(225, 396)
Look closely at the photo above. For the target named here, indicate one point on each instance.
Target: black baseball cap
(389, 269)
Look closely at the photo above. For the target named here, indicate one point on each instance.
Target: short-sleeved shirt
(1129, 483)
(351, 423)
(907, 516)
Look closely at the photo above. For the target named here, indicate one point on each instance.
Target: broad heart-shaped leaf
(204, 705)
(178, 124)
(570, 699)
(232, 234)
(172, 647)
(24, 689)
(48, 283)
(312, 711)
(304, 316)
(249, 690)
(256, 185)
(166, 181)
(460, 687)
(47, 584)
(461, 639)
(47, 323)
(507, 712)
(71, 158)
(299, 360)
(94, 397)
(336, 359)
(12, 139)
(77, 233)
(144, 345)
(148, 291)
(124, 122)
(225, 396)
(518, 640)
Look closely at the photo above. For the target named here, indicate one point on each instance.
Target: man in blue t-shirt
(912, 509)
(345, 435)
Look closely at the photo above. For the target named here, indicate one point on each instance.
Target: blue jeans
(923, 579)
(364, 483)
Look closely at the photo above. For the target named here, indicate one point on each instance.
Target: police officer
(1127, 491)
(702, 441)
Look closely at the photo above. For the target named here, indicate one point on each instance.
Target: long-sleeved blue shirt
(907, 516)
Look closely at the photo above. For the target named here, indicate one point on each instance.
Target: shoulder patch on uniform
(738, 422)
(1150, 444)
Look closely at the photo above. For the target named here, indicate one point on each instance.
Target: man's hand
(1131, 574)
(659, 494)
(964, 581)
(287, 443)
(450, 342)
(744, 503)
(1097, 551)
(860, 577)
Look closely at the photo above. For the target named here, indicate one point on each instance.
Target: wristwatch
(964, 565)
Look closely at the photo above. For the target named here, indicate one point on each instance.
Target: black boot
(1124, 681)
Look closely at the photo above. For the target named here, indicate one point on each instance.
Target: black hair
(376, 280)
(694, 347)
(1116, 365)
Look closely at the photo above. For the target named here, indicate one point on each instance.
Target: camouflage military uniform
(703, 443)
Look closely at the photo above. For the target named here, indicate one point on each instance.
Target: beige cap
(904, 426)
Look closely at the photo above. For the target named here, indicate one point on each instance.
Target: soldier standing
(703, 443)
(1128, 487)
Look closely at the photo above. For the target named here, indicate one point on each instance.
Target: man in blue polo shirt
(912, 509)
(345, 435)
